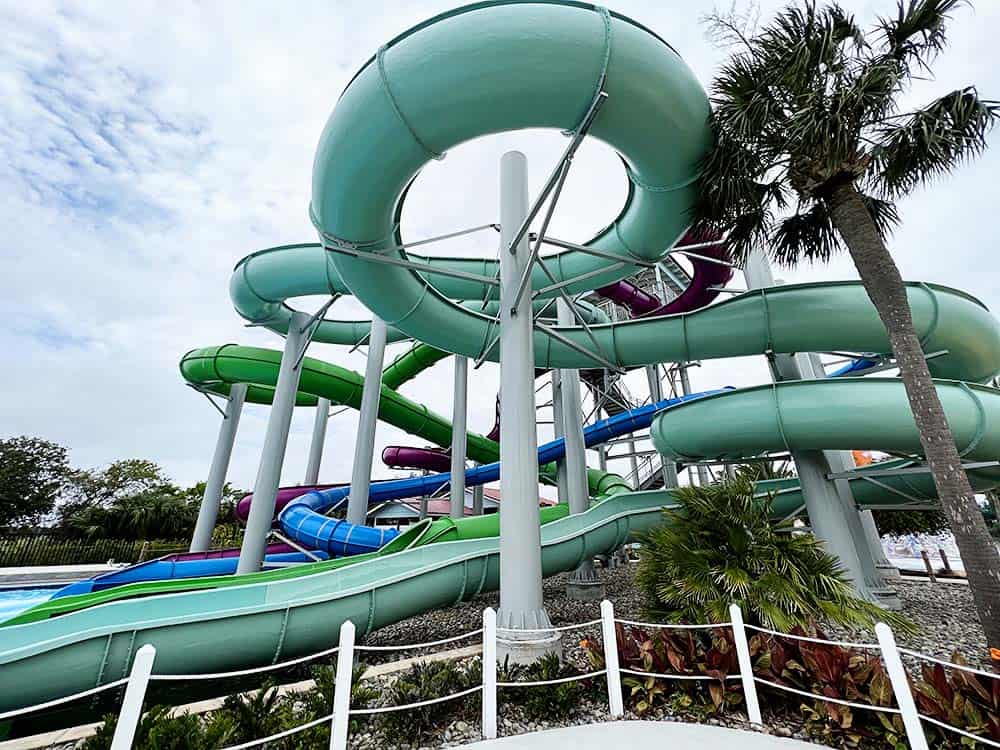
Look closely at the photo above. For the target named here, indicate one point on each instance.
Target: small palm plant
(718, 546)
(812, 149)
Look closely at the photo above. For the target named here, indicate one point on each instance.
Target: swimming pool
(13, 601)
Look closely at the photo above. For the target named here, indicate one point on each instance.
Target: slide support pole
(584, 583)
(823, 501)
(364, 448)
(668, 468)
(318, 439)
(201, 539)
(559, 431)
(703, 475)
(459, 419)
(521, 605)
(265, 489)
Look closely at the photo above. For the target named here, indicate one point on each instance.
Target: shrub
(426, 681)
(543, 701)
(720, 546)
(961, 699)
(685, 653)
(158, 730)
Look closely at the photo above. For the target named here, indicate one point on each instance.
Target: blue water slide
(160, 570)
(303, 521)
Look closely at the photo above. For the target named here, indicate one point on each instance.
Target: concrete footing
(525, 638)
(527, 648)
(585, 584)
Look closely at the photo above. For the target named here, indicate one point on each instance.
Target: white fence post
(901, 687)
(615, 701)
(342, 687)
(489, 673)
(746, 666)
(135, 693)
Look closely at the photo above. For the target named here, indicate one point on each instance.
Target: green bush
(158, 730)
(426, 681)
(542, 701)
(719, 546)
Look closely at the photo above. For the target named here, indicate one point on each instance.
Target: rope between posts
(280, 735)
(67, 699)
(976, 737)
(387, 709)
(553, 629)
(844, 644)
(677, 626)
(868, 706)
(242, 672)
(539, 683)
(641, 673)
(943, 663)
(407, 646)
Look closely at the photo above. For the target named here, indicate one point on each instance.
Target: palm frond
(933, 140)
(917, 33)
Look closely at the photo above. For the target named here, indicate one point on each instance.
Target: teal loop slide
(488, 68)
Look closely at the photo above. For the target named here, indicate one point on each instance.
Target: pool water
(14, 601)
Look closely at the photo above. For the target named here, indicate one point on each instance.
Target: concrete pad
(675, 735)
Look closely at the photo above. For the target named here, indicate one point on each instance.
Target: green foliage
(159, 730)
(809, 103)
(902, 522)
(961, 699)
(133, 499)
(32, 472)
(836, 672)
(719, 546)
(426, 681)
(680, 652)
(543, 701)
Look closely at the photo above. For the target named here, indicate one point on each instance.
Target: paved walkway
(643, 734)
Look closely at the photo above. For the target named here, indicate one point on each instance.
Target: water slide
(468, 73)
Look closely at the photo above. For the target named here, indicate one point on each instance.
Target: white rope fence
(142, 666)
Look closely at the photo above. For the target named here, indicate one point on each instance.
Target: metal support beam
(703, 477)
(201, 540)
(364, 447)
(521, 604)
(413, 265)
(825, 502)
(558, 421)
(318, 440)
(669, 468)
(459, 414)
(583, 583)
(265, 491)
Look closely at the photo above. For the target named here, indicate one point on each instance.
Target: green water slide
(487, 68)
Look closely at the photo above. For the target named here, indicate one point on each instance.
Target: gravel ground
(944, 613)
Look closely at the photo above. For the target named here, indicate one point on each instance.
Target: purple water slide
(285, 496)
(639, 303)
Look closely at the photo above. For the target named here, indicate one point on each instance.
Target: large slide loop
(473, 72)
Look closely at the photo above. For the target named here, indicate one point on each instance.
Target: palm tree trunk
(887, 292)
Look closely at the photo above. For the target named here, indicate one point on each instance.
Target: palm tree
(811, 151)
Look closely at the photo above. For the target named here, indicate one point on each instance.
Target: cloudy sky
(143, 153)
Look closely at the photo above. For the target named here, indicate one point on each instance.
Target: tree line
(128, 499)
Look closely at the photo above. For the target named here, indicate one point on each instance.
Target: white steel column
(558, 432)
(265, 489)
(318, 439)
(703, 475)
(521, 605)
(584, 583)
(668, 468)
(201, 540)
(364, 448)
(822, 499)
(459, 421)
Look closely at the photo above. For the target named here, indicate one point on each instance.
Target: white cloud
(146, 148)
